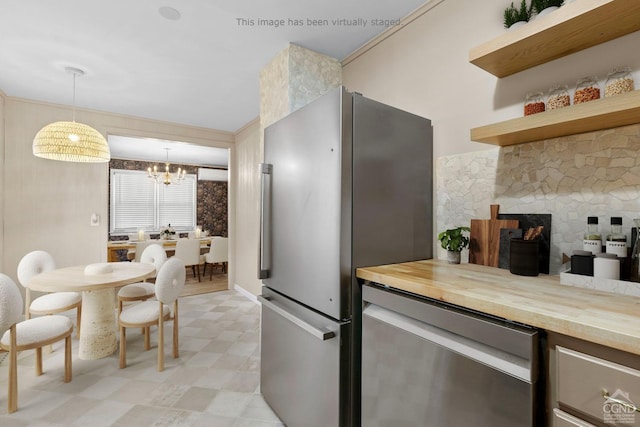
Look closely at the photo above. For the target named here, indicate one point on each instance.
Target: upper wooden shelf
(604, 113)
(571, 28)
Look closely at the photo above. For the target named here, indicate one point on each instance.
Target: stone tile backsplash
(590, 174)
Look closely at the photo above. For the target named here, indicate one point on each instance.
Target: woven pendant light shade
(71, 142)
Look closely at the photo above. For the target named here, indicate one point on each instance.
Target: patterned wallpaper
(212, 211)
(573, 177)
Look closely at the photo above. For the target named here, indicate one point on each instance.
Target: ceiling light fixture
(166, 177)
(169, 13)
(71, 141)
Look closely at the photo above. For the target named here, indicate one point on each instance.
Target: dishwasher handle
(510, 364)
(322, 335)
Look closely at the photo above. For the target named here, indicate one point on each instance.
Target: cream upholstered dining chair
(136, 253)
(188, 250)
(37, 262)
(28, 334)
(169, 284)
(218, 253)
(141, 291)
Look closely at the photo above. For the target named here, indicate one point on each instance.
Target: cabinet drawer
(562, 419)
(583, 379)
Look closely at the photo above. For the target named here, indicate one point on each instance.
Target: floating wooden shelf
(571, 28)
(604, 113)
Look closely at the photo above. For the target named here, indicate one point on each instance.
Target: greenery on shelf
(513, 14)
(538, 6)
(454, 239)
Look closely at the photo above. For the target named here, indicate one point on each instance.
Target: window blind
(137, 202)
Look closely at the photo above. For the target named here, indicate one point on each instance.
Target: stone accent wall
(293, 78)
(590, 174)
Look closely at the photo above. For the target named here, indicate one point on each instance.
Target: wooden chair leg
(12, 405)
(123, 347)
(78, 316)
(27, 304)
(211, 274)
(38, 361)
(160, 339)
(175, 330)
(67, 359)
(198, 268)
(147, 338)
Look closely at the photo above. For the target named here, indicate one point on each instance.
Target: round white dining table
(98, 283)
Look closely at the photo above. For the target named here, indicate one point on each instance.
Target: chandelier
(71, 141)
(166, 177)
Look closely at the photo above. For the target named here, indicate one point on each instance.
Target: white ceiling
(155, 150)
(200, 70)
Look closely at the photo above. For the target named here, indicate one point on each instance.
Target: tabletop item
(592, 240)
(533, 103)
(527, 221)
(616, 240)
(558, 97)
(619, 81)
(523, 257)
(533, 233)
(606, 266)
(634, 274)
(506, 234)
(484, 247)
(587, 89)
(582, 263)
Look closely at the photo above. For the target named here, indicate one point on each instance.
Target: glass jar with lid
(533, 103)
(619, 81)
(558, 97)
(587, 89)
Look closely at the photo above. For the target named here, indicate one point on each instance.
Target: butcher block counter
(612, 320)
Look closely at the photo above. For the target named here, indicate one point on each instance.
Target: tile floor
(215, 382)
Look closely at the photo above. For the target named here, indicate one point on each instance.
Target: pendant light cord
(74, 96)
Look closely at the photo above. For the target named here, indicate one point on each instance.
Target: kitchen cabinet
(573, 27)
(592, 385)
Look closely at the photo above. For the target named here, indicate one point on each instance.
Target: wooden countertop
(605, 318)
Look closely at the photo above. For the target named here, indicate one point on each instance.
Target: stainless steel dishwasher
(427, 363)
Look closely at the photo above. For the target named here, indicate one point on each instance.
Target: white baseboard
(246, 293)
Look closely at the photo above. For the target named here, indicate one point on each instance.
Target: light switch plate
(95, 220)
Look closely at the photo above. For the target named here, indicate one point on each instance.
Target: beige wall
(245, 180)
(48, 204)
(424, 68)
(2, 179)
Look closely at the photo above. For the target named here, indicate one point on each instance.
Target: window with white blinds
(139, 203)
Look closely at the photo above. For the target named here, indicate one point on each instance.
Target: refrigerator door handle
(265, 221)
(318, 333)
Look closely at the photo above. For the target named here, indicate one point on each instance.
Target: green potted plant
(454, 240)
(538, 6)
(513, 15)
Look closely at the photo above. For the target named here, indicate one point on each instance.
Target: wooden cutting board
(484, 245)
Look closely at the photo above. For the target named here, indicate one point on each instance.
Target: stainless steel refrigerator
(346, 183)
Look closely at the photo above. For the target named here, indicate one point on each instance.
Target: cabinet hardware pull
(627, 405)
